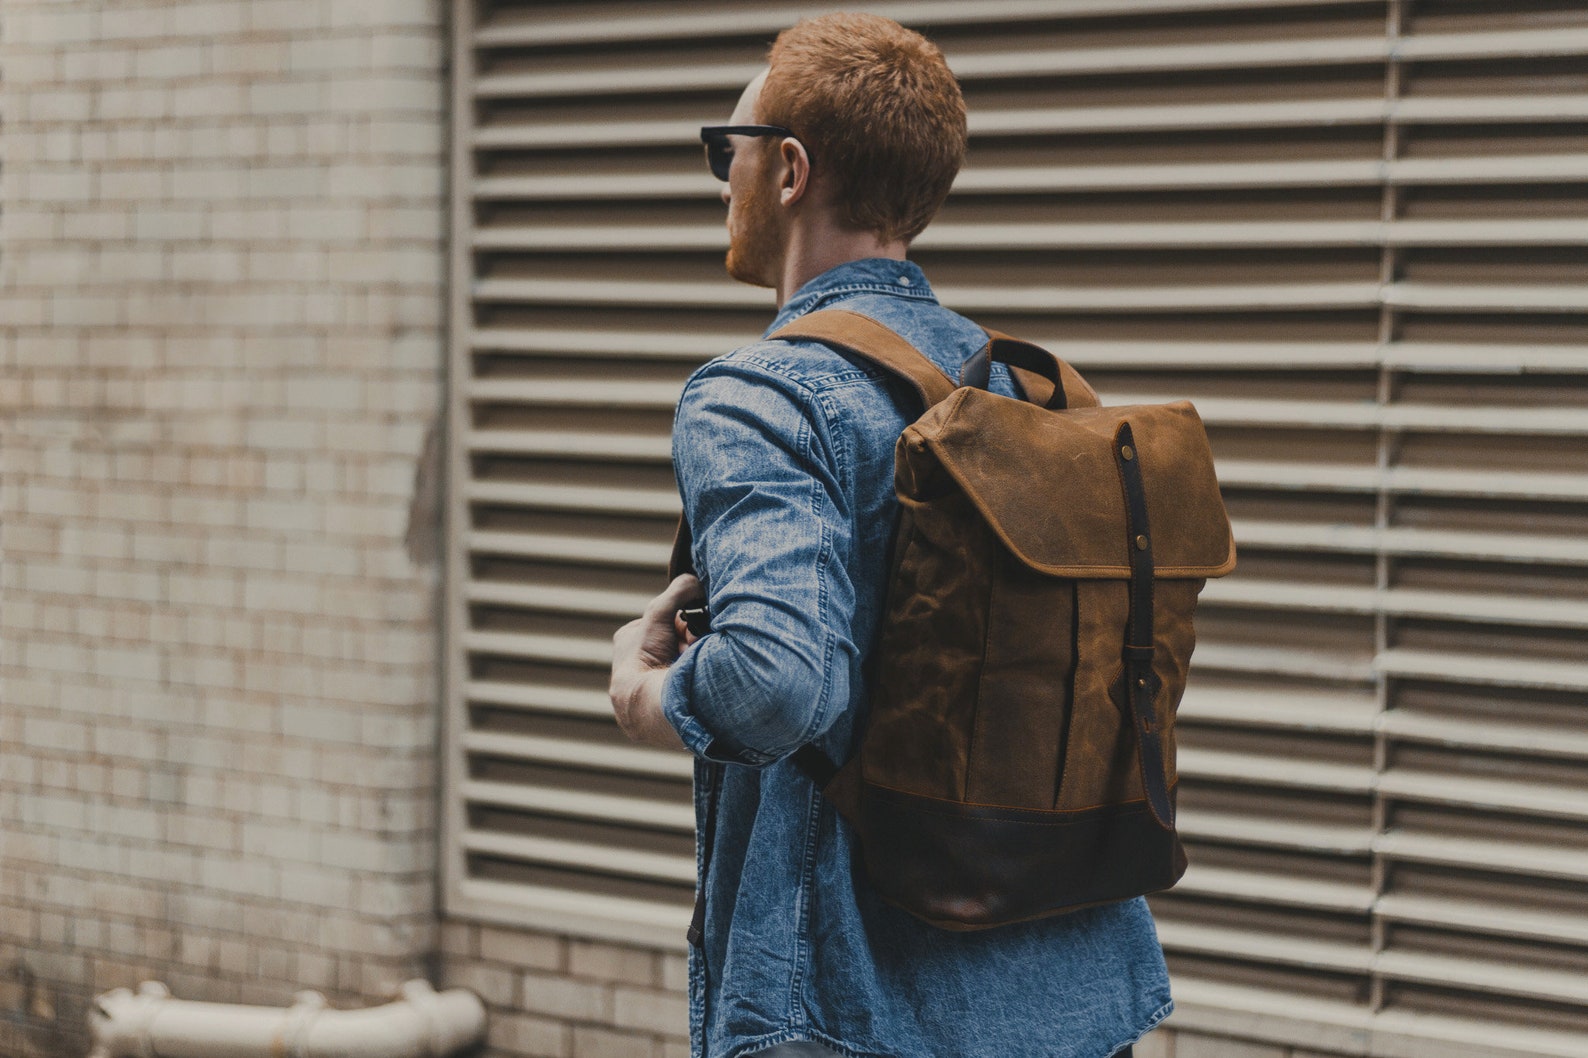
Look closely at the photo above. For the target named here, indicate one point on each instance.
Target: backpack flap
(1048, 484)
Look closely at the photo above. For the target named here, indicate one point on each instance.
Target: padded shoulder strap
(867, 339)
(873, 342)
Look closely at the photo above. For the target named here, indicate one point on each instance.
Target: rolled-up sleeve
(764, 497)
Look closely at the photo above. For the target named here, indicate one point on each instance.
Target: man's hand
(642, 650)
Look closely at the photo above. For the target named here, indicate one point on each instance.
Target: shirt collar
(871, 275)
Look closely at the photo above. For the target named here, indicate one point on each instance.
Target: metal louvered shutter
(1353, 233)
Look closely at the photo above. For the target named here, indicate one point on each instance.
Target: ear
(796, 171)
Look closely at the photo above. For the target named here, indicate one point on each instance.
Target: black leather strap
(977, 371)
(814, 763)
(1141, 683)
(681, 559)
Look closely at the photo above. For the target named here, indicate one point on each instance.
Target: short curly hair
(879, 111)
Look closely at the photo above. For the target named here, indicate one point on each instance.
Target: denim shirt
(784, 456)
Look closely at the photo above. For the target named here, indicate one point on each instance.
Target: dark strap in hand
(682, 559)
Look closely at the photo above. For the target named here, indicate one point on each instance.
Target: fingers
(681, 630)
(684, 588)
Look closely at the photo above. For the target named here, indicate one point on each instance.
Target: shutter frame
(1401, 487)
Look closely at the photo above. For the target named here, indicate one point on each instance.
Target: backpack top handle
(1044, 379)
(977, 371)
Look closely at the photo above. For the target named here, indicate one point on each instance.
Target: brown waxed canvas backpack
(1018, 758)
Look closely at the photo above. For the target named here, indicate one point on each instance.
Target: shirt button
(904, 281)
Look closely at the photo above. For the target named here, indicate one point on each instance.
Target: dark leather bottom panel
(973, 867)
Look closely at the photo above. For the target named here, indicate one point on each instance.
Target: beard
(754, 242)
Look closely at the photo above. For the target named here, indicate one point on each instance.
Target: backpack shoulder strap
(877, 344)
(867, 339)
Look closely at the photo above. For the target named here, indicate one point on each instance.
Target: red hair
(878, 110)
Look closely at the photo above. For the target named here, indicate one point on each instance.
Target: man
(784, 456)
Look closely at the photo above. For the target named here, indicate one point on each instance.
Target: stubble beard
(753, 243)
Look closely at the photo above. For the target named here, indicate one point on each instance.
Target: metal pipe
(423, 1023)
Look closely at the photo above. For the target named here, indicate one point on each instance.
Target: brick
(389, 93)
(133, 102)
(298, 96)
(315, 970)
(612, 962)
(55, 185)
(417, 51)
(328, 53)
(591, 1042)
(524, 950)
(459, 939)
(285, 15)
(41, 732)
(566, 997)
(137, 22)
(650, 1011)
(169, 63)
(242, 58)
(205, 21)
(529, 1037)
(495, 985)
(62, 106)
(162, 224)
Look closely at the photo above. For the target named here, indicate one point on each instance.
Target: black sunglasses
(719, 152)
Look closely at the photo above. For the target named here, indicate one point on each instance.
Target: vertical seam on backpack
(1068, 684)
(986, 645)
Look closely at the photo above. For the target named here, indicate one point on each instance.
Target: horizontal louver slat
(1483, 918)
(1532, 169)
(581, 549)
(558, 801)
(577, 497)
(740, 21)
(631, 238)
(584, 855)
(1071, 62)
(571, 753)
(1488, 854)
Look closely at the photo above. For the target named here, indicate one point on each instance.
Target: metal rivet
(1141, 543)
(1141, 682)
(1127, 453)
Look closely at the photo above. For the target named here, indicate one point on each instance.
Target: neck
(817, 245)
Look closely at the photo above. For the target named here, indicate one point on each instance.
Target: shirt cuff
(701, 742)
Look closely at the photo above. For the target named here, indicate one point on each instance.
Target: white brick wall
(221, 268)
